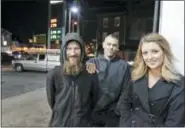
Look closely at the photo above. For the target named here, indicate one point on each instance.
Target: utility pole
(78, 24)
(49, 29)
(64, 20)
(69, 21)
(156, 16)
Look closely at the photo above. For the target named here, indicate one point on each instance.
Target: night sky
(23, 19)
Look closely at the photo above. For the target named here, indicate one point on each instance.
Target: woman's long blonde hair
(168, 71)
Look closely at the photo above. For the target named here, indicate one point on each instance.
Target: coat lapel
(142, 92)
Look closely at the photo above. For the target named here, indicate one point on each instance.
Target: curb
(7, 68)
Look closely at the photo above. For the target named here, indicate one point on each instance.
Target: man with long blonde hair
(155, 97)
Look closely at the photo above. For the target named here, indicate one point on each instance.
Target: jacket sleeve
(176, 113)
(125, 105)
(50, 88)
(95, 90)
(125, 84)
(92, 60)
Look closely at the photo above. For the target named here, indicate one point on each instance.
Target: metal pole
(156, 15)
(73, 27)
(64, 20)
(49, 29)
(69, 21)
(78, 24)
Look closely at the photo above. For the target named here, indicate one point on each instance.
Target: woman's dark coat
(167, 106)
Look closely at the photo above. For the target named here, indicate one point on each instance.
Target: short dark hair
(114, 35)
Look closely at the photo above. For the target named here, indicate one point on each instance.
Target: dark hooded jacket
(71, 98)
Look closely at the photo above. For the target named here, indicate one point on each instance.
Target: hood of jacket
(72, 37)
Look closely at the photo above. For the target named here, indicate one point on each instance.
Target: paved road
(14, 83)
(30, 109)
(24, 101)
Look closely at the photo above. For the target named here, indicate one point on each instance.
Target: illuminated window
(34, 39)
(54, 37)
(54, 32)
(53, 25)
(4, 43)
(117, 21)
(57, 42)
(58, 31)
(105, 22)
(53, 20)
(30, 40)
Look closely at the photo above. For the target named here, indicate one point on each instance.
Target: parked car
(6, 58)
(37, 62)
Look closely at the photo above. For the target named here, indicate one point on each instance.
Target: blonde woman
(155, 96)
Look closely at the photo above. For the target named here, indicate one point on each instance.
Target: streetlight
(75, 10)
(56, 2)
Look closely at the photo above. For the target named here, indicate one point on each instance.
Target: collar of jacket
(116, 58)
(179, 82)
(143, 89)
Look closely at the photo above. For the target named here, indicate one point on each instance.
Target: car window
(52, 57)
(32, 57)
(41, 57)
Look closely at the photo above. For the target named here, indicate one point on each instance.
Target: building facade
(39, 39)
(129, 25)
(111, 23)
(6, 40)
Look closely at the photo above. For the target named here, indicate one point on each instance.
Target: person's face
(110, 46)
(73, 52)
(153, 55)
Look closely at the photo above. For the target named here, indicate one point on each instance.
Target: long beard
(73, 69)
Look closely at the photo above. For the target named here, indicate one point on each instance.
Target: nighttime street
(113, 63)
(23, 97)
(14, 83)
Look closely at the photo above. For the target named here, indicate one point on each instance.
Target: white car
(37, 62)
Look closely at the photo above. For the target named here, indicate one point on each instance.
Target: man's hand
(91, 68)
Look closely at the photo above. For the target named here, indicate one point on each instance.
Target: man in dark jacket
(114, 74)
(71, 91)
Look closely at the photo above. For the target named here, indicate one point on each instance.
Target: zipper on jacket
(71, 109)
(72, 101)
(107, 69)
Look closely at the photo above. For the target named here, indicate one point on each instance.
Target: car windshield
(31, 57)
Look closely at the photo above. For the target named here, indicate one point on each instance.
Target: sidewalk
(6, 68)
(26, 110)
